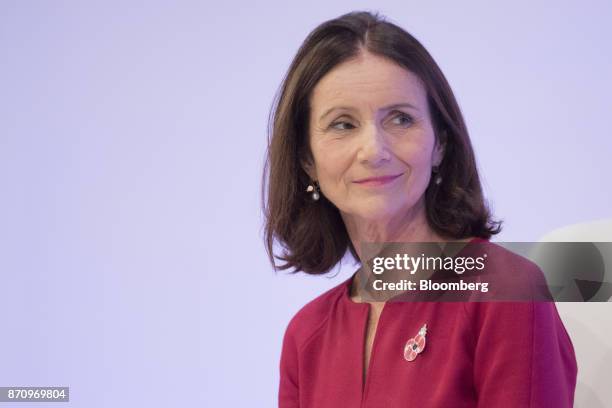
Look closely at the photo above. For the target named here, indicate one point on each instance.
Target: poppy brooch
(415, 345)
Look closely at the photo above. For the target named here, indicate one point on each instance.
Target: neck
(409, 227)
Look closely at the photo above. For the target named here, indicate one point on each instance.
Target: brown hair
(313, 234)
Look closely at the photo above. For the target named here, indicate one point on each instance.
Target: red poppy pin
(415, 345)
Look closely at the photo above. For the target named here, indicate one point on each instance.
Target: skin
(368, 140)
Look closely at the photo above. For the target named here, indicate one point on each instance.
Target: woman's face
(370, 119)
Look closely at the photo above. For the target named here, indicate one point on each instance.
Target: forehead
(368, 81)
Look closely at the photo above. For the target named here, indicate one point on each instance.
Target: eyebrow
(385, 108)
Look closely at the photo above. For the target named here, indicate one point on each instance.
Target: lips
(378, 180)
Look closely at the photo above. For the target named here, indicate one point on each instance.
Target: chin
(376, 211)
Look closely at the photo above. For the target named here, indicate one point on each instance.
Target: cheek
(333, 160)
(417, 156)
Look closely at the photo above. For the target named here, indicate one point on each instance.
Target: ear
(309, 168)
(439, 149)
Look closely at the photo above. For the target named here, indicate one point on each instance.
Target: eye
(335, 125)
(405, 119)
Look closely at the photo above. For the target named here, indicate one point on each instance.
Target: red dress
(477, 354)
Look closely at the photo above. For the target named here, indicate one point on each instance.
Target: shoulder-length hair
(312, 234)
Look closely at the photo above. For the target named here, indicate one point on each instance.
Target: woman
(368, 144)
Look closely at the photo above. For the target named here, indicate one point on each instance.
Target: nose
(373, 148)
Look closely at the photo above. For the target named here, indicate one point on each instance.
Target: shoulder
(513, 277)
(500, 256)
(315, 314)
(520, 299)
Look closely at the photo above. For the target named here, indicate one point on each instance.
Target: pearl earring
(314, 189)
(438, 177)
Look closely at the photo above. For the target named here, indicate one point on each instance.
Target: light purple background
(132, 137)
